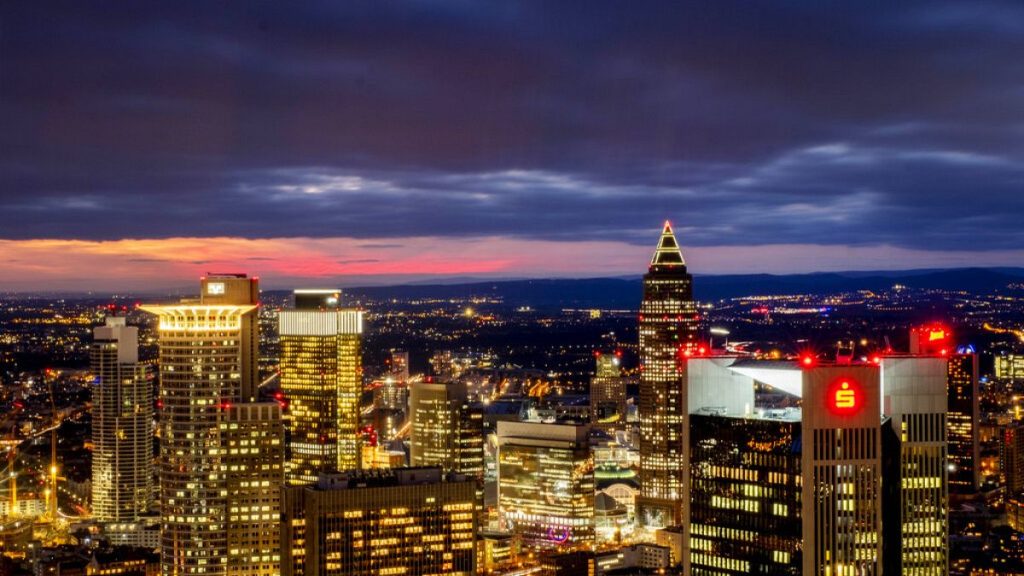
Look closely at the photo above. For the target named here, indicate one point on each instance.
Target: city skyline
(521, 288)
(312, 143)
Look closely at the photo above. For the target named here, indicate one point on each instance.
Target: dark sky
(852, 126)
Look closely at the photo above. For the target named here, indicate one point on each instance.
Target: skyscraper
(1011, 458)
(253, 440)
(400, 521)
(964, 417)
(321, 377)
(546, 483)
(668, 328)
(122, 425)
(962, 403)
(853, 481)
(445, 431)
(208, 364)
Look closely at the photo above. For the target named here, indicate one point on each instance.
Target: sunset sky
(144, 144)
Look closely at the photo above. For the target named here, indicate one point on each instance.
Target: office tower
(608, 394)
(470, 457)
(963, 399)
(207, 367)
(546, 483)
(915, 485)
(446, 429)
(1011, 458)
(400, 521)
(321, 378)
(253, 448)
(808, 489)
(1009, 366)
(434, 414)
(668, 328)
(239, 290)
(122, 425)
(964, 416)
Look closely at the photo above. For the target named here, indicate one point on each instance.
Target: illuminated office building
(1011, 458)
(546, 483)
(1009, 367)
(807, 489)
(962, 403)
(446, 431)
(122, 425)
(608, 394)
(668, 327)
(253, 448)
(207, 373)
(400, 521)
(321, 378)
(964, 416)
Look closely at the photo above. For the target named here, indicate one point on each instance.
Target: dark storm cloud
(745, 123)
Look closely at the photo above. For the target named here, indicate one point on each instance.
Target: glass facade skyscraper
(546, 483)
(746, 497)
(964, 417)
(321, 379)
(808, 488)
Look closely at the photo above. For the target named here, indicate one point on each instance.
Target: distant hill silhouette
(624, 293)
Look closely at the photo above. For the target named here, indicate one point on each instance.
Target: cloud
(788, 124)
(72, 264)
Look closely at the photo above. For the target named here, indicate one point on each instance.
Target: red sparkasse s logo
(844, 397)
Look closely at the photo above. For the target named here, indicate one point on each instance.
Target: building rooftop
(385, 477)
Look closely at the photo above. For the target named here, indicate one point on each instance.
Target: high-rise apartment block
(122, 425)
(208, 359)
(807, 489)
(668, 329)
(400, 521)
(546, 483)
(321, 378)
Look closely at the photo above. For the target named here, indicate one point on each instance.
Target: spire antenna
(668, 252)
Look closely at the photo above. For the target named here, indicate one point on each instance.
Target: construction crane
(11, 418)
(52, 496)
(50, 528)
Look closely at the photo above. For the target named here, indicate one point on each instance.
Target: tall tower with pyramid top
(668, 328)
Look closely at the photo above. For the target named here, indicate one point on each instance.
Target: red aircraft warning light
(808, 360)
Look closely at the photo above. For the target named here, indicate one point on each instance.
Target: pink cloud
(153, 265)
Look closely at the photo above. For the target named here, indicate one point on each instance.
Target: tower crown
(668, 252)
